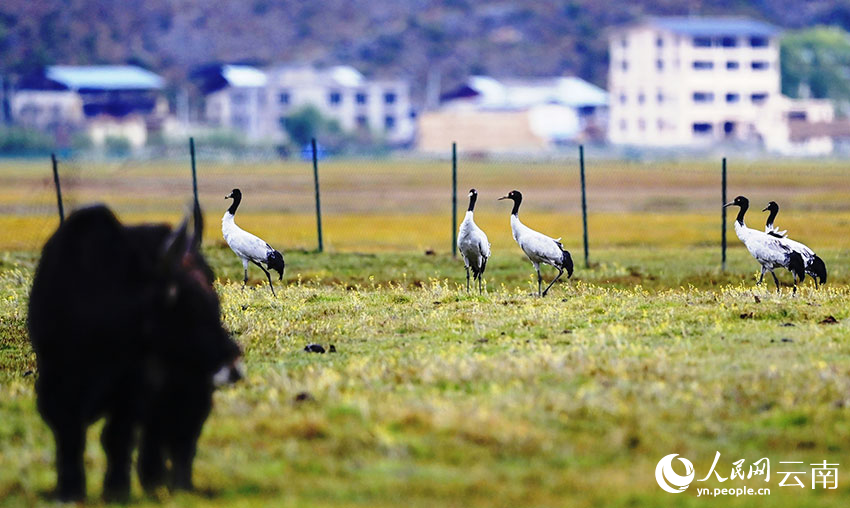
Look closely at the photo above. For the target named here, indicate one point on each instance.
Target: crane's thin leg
(245, 280)
(775, 280)
(560, 272)
(763, 269)
(268, 276)
(480, 290)
(795, 282)
(467, 279)
(539, 282)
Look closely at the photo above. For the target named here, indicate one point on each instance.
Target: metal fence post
(316, 186)
(723, 218)
(58, 188)
(194, 172)
(454, 200)
(583, 204)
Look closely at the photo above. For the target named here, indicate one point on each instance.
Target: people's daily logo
(668, 479)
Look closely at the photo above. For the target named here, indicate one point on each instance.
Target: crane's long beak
(765, 209)
(228, 196)
(503, 197)
(729, 204)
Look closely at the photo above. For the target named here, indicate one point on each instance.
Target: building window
(389, 122)
(624, 42)
(797, 115)
(702, 128)
(334, 98)
(760, 65)
(659, 64)
(729, 129)
(641, 98)
(758, 41)
(703, 65)
(360, 98)
(282, 122)
(622, 98)
(659, 42)
(362, 122)
(732, 65)
(732, 98)
(641, 124)
(758, 98)
(624, 65)
(283, 98)
(728, 42)
(702, 42)
(660, 98)
(703, 97)
(389, 98)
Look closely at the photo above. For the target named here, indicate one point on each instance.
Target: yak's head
(188, 330)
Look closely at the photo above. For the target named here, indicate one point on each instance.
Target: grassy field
(439, 398)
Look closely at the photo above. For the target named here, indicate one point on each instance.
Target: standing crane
(538, 247)
(473, 244)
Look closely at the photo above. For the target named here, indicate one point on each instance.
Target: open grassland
(398, 205)
(439, 398)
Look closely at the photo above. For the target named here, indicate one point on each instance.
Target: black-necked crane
(814, 265)
(247, 246)
(538, 247)
(473, 244)
(769, 251)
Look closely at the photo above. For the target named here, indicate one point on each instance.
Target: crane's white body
(247, 246)
(538, 247)
(473, 244)
(771, 252)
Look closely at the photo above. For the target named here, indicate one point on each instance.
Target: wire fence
(407, 203)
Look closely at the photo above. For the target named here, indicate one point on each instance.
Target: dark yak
(125, 325)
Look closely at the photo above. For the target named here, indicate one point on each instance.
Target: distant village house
(104, 101)
(489, 115)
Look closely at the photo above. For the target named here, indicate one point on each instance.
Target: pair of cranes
(539, 248)
(771, 248)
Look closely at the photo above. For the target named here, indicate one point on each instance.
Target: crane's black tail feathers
(567, 263)
(797, 266)
(275, 262)
(818, 268)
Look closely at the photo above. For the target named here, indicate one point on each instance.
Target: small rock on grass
(314, 348)
(829, 320)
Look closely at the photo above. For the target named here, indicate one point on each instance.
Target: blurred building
(111, 100)
(515, 115)
(258, 102)
(696, 81)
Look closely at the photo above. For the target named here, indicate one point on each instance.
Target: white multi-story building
(695, 81)
(257, 102)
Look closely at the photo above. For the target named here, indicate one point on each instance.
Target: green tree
(307, 123)
(816, 63)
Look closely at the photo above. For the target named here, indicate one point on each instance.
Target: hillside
(413, 38)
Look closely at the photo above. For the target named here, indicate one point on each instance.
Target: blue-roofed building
(697, 81)
(104, 100)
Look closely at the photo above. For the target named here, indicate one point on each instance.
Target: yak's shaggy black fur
(125, 325)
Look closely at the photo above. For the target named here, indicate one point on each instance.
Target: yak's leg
(560, 272)
(117, 441)
(71, 475)
(268, 276)
(151, 466)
